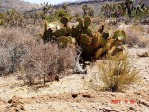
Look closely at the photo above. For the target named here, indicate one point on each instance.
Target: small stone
(144, 78)
(131, 108)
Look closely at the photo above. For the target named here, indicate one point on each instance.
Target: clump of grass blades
(115, 74)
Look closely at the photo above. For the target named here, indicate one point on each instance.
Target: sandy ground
(71, 93)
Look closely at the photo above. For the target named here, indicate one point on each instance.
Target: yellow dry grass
(114, 74)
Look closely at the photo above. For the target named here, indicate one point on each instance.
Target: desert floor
(72, 94)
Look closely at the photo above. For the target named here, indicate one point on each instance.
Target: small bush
(136, 36)
(61, 13)
(23, 53)
(114, 74)
(12, 49)
(46, 61)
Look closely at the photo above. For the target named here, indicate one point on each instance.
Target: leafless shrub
(45, 61)
(12, 49)
(134, 39)
(32, 58)
(4, 61)
(136, 36)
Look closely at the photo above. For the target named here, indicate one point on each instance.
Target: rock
(131, 108)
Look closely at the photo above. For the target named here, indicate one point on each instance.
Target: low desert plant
(136, 35)
(87, 11)
(47, 61)
(114, 75)
(33, 60)
(12, 49)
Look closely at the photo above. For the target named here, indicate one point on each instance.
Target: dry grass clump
(136, 36)
(20, 52)
(114, 75)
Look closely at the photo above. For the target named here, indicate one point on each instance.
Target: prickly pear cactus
(94, 45)
(96, 40)
(66, 41)
(119, 35)
(64, 21)
(98, 53)
(87, 22)
(81, 22)
(1, 22)
(47, 35)
(85, 40)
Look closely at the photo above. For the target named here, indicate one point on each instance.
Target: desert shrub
(113, 10)
(136, 36)
(87, 10)
(21, 52)
(114, 75)
(133, 39)
(46, 61)
(12, 49)
(61, 13)
(51, 18)
(4, 61)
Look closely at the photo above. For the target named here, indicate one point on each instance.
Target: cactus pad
(112, 50)
(98, 53)
(87, 31)
(64, 41)
(102, 41)
(81, 21)
(119, 35)
(72, 40)
(105, 35)
(64, 21)
(87, 21)
(85, 40)
(45, 25)
(95, 40)
(60, 32)
(101, 29)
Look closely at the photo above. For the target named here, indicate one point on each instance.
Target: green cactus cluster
(100, 44)
(87, 10)
(94, 44)
(61, 35)
(119, 9)
(133, 10)
(113, 9)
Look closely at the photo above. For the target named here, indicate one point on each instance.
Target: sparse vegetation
(47, 52)
(125, 8)
(87, 11)
(114, 75)
(21, 52)
(136, 37)
(113, 10)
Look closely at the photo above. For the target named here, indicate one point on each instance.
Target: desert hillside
(76, 7)
(18, 5)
